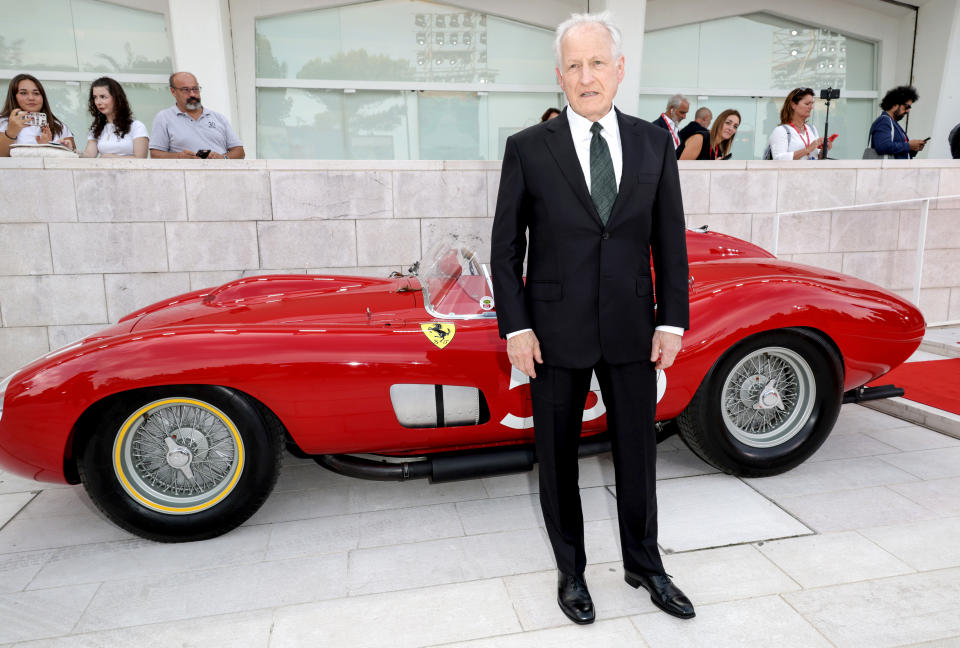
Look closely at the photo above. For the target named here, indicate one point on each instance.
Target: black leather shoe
(664, 594)
(574, 598)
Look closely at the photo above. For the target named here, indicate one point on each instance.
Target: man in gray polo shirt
(187, 128)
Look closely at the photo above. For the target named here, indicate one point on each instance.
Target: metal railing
(921, 235)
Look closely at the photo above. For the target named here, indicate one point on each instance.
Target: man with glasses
(188, 130)
(887, 138)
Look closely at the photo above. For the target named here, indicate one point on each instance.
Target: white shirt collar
(672, 123)
(580, 125)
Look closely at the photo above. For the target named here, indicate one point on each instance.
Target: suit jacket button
(605, 236)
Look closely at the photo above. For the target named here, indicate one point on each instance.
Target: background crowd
(185, 130)
(796, 137)
(189, 130)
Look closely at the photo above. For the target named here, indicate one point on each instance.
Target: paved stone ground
(857, 547)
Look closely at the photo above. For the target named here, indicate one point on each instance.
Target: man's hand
(185, 154)
(665, 348)
(917, 145)
(523, 350)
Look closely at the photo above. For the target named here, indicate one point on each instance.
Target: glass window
(756, 51)
(511, 112)
(111, 38)
(27, 43)
(84, 36)
(450, 126)
(68, 102)
(331, 124)
(399, 40)
(520, 53)
(402, 55)
(146, 100)
(762, 55)
(666, 59)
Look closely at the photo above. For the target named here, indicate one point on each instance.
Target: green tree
(357, 65)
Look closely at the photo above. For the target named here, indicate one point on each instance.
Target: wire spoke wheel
(181, 463)
(768, 397)
(767, 404)
(178, 455)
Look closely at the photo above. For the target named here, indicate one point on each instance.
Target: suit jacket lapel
(560, 143)
(630, 148)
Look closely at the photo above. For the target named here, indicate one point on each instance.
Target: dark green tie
(603, 182)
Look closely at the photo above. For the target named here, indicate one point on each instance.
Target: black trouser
(629, 393)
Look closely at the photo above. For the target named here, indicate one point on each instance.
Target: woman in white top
(26, 95)
(794, 138)
(114, 132)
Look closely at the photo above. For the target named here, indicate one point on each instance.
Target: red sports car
(175, 419)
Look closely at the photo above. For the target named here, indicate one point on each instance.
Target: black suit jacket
(589, 292)
(659, 121)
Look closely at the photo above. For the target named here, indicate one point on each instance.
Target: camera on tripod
(830, 93)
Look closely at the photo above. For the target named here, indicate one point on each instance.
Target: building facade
(416, 79)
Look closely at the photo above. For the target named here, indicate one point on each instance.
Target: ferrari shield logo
(439, 333)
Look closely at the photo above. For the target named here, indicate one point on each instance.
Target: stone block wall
(83, 242)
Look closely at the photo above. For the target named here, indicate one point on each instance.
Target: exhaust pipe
(861, 394)
(451, 467)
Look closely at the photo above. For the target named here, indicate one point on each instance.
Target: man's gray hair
(675, 101)
(578, 20)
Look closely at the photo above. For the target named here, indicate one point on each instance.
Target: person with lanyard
(722, 134)
(676, 112)
(694, 137)
(886, 135)
(795, 138)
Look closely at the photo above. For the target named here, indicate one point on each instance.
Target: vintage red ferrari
(175, 419)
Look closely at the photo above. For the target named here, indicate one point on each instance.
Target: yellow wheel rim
(178, 456)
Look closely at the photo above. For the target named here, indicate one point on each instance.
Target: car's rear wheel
(767, 405)
(181, 463)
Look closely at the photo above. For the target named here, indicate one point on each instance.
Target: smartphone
(926, 139)
(202, 153)
(833, 137)
(37, 119)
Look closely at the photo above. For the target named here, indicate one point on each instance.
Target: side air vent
(422, 406)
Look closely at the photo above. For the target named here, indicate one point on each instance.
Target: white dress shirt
(674, 129)
(580, 132)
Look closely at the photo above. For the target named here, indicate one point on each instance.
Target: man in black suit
(598, 191)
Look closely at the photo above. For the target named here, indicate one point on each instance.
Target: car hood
(285, 300)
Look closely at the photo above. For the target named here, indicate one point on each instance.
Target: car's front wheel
(181, 463)
(767, 405)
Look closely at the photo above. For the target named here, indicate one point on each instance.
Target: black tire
(181, 463)
(801, 400)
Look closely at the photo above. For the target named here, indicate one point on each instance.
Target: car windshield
(455, 284)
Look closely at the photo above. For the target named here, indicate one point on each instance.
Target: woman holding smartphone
(114, 132)
(795, 138)
(26, 117)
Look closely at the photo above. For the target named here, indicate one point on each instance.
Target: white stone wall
(83, 242)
